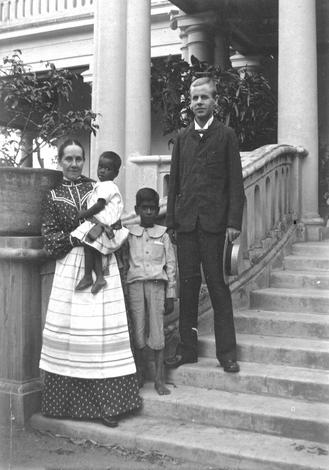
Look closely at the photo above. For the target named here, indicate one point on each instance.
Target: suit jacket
(205, 180)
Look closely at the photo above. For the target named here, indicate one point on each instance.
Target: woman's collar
(68, 182)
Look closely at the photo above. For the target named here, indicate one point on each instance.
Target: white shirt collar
(154, 232)
(208, 124)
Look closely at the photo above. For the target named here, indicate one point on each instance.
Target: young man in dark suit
(205, 204)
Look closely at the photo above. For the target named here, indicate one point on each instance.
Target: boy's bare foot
(85, 282)
(99, 284)
(161, 388)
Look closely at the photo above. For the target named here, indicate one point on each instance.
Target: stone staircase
(274, 414)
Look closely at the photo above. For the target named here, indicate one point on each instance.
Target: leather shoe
(230, 366)
(110, 421)
(178, 360)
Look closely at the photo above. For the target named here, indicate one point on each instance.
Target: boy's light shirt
(152, 257)
(208, 124)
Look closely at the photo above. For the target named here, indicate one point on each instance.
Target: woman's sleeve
(56, 242)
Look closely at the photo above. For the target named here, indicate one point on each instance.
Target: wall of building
(66, 39)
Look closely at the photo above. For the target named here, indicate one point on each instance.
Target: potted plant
(246, 100)
(36, 111)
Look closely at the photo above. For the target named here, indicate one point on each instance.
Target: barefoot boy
(150, 282)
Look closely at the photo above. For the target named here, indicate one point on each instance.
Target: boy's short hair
(205, 81)
(114, 157)
(146, 194)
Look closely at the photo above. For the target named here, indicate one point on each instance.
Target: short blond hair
(205, 81)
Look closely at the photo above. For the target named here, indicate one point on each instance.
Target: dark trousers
(193, 249)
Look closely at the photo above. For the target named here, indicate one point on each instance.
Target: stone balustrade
(18, 11)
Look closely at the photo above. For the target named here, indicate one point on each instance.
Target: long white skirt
(86, 335)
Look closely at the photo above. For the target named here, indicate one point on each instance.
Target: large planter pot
(21, 193)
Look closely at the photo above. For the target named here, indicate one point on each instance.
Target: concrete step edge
(268, 371)
(297, 293)
(300, 273)
(264, 379)
(246, 403)
(278, 315)
(197, 443)
(314, 243)
(251, 412)
(306, 344)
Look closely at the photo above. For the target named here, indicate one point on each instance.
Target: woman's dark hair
(146, 194)
(65, 144)
(114, 157)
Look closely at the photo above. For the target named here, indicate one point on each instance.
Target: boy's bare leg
(87, 279)
(159, 382)
(139, 356)
(98, 268)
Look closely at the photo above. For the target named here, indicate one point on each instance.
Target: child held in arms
(151, 284)
(101, 232)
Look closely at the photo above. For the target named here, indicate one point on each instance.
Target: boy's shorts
(146, 302)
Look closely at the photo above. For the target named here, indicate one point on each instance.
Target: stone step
(249, 412)
(297, 352)
(320, 248)
(305, 263)
(207, 445)
(274, 323)
(291, 300)
(300, 279)
(272, 379)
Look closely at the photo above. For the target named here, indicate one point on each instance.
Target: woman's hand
(82, 214)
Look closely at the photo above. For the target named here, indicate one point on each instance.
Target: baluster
(258, 215)
(244, 244)
(52, 6)
(12, 10)
(70, 4)
(3, 10)
(43, 7)
(61, 5)
(250, 216)
(30, 8)
(287, 208)
(6, 11)
(268, 207)
(20, 9)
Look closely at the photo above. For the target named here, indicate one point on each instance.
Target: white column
(197, 34)
(298, 113)
(138, 89)
(251, 63)
(109, 86)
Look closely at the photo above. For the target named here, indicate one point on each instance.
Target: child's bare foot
(161, 388)
(99, 284)
(85, 282)
(140, 380)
